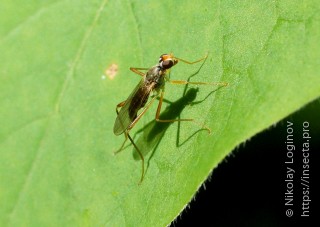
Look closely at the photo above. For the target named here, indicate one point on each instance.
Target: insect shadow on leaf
(152, 133)
(136, 105)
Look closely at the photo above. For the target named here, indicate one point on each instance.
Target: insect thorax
(156, 76)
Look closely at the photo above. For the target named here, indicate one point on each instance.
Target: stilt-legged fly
(152, 81)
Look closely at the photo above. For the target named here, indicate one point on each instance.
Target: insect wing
(129, 111)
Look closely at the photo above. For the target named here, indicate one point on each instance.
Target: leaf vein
(135, 19)
(22, 126)
(78, 55)
(65, 85)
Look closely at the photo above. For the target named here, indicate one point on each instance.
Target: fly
(152, 81)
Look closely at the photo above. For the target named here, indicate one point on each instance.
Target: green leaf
(58, 108)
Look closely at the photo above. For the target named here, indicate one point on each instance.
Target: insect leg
(176, 120)
(183, 82)
(131, 126)
(141, 157)
(121, 104)
(124, 142)
(137, 70)
(192, 62)
(126, 134)
(141, 114)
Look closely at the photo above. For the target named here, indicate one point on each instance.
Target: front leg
(137, 70)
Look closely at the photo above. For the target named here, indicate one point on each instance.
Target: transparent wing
(136, 100)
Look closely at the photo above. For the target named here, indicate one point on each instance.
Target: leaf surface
(58, 106)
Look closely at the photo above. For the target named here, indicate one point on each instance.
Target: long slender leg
(159, 109)
(175, 120)
(124, 142)
(192, 62)
(142, 113)
(137, 70)
(121, 104)
(141, 157)
(183, 82)
(126, 134)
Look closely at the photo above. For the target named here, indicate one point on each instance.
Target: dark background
(248, 187)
